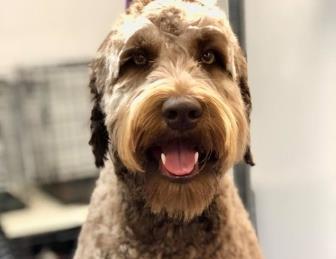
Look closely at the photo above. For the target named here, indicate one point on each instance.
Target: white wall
(47, 31)
(292, 62)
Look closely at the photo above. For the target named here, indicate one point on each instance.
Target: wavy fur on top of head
(126, 117)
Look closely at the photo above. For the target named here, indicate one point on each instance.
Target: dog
(170, 117)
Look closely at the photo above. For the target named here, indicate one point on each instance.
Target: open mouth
(181, 159)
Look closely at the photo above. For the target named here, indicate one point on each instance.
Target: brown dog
(170, 117)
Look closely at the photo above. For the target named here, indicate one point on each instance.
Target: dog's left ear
(99, 136)
(241, 70)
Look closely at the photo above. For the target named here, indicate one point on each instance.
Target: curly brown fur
(137, 210)
(120, 225)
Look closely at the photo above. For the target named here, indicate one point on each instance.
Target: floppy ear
(103, 72)
(99, 136)
(241, 69)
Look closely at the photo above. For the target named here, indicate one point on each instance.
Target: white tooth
(163, 158)
(196, 157)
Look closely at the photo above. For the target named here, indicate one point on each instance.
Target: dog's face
(172, 102)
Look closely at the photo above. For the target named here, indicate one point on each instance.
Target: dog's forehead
(173, 17)
(183, 22)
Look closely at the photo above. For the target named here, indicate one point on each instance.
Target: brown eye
(208, 57)
(140, 59)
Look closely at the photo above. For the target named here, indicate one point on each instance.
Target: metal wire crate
(55, 104)
(11, 167)
(4, 109)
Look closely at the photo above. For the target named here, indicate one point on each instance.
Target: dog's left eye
(140, 59)
(208, 57)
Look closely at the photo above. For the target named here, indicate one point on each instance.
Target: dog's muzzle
(179, 158)
(179, 154)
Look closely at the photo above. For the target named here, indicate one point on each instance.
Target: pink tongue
(180, 158)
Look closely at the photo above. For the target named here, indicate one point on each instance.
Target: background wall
(48, 31)
(292, 61)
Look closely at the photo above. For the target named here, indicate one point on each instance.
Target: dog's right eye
(140, 59)
(208, 57)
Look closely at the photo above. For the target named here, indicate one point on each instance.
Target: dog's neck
(149, 228)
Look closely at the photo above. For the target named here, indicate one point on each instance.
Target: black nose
(181, 113)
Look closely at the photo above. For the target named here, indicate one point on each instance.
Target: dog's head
(171, 102)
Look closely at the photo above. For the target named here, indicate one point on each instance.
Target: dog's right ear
(99, 136)
(102, 73)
